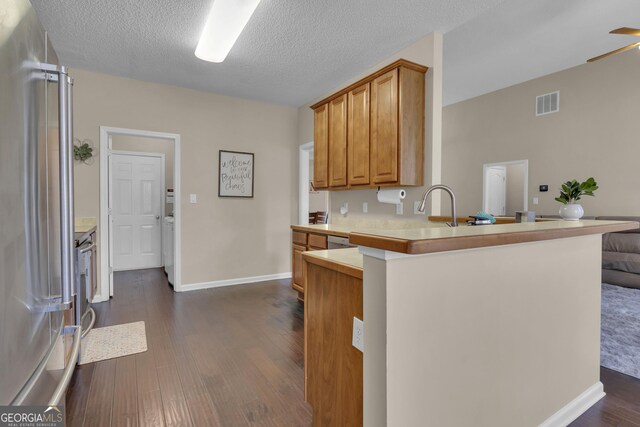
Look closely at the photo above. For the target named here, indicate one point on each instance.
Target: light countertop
(440, 239)
(348, 256)
(344, 261)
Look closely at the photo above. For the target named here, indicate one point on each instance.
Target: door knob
(157, 216)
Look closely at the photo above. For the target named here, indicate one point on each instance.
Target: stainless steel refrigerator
(38, 351)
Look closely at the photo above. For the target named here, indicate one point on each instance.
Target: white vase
(571, 212)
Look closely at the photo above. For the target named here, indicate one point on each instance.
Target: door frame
(485, 183)
(105, 289)
(305, 155)
(162, 204)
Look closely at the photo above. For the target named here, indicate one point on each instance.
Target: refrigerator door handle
(67, 248)
(59, 74)
(68, 370)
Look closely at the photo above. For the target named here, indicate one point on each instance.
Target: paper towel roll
(392, 195)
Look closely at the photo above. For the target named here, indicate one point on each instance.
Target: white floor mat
(113, 341)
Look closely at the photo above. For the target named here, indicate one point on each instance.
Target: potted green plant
(570, 193)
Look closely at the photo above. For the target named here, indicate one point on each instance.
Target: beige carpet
(113, 341)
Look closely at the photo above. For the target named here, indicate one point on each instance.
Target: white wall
(515, 188)
(463, 338)
(222, 238)
(595, 134)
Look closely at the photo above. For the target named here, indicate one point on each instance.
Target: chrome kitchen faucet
(454, 222)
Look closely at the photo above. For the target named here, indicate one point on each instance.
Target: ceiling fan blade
(613, 52)
(626, 30)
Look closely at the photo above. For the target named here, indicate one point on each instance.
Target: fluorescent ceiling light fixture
(226, 21)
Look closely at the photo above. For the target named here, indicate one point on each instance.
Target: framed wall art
(235, 177)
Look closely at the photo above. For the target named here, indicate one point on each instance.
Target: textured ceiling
(520, 40)
(293, 52)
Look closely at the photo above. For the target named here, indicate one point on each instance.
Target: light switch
(193, 198)
(400, 208)
(535, 200)
(365, 207)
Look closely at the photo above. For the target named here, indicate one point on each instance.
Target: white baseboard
(576, 407)
(231, 282)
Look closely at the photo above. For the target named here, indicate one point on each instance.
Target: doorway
(505, 187)
(139, 193)
(310, 199)
(496, 197)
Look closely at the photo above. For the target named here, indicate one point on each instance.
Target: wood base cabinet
(302, 242)
(371, 133)
(333, 367)
(297, 268)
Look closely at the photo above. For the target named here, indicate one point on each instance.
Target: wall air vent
(548, 103)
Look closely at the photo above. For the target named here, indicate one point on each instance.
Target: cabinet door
(358, 136)
(384, 128)
(338, 142)
(296, 266)
(321, 146)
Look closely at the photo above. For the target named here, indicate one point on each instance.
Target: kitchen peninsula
(477, 326)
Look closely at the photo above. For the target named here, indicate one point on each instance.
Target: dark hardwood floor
(619, 408)
(229, 356)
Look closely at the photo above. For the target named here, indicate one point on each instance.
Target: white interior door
(136, 187)
(496, 196)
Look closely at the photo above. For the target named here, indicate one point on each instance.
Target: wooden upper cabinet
(411, 110)
(384, 128)
(374, 130)
(338, 142)
(358, 141)
(321, 146)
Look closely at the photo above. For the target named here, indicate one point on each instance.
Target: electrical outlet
(400, 208)
(416, 205)
(365, 207)
(535, 200)
(193, 198)
(344, 209)
(358, 334)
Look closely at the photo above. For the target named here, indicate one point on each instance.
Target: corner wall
(222, 238)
